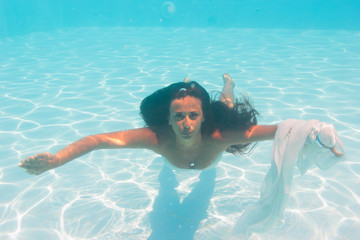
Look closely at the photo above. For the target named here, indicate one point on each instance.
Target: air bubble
(168, 9)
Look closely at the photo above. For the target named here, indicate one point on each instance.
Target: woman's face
(186, 117)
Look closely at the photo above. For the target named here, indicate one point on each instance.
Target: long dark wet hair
(155, 109)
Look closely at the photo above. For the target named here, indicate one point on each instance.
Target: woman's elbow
(261, 133)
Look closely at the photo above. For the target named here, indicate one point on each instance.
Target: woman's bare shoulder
(219, 140)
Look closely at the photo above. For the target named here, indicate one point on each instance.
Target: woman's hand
(38, 163)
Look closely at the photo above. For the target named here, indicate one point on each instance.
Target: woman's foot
(186, 80)
(228, 80)
(227, 94)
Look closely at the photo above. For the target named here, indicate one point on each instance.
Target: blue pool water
(68, 82)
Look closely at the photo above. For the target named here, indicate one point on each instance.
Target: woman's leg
(227, 94)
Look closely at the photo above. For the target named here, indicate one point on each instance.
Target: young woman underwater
(183, 124)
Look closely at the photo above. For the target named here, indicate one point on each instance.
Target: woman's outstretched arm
(254, 134)
(135, 138)
(261, 133)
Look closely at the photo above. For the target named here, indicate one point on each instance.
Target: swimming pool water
(57, 87)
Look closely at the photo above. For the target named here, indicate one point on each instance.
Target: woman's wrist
(54, 161)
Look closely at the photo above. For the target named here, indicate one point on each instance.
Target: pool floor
(57, 87)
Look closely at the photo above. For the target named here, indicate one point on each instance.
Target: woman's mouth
(186, 133)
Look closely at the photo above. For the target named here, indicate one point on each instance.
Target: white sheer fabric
(296, 142)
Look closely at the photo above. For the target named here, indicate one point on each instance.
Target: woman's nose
(187, 122)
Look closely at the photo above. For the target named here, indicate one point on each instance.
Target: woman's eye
(193, 116)
(179, 116)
